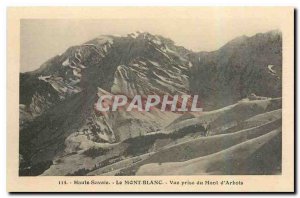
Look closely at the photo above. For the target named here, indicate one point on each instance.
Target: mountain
(61, 132)
(244, 65)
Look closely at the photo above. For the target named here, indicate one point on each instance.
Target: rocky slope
(61, 133)
(244, 65)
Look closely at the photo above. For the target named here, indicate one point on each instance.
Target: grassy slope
(223, 162)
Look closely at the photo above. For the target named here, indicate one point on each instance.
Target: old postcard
(150, 99)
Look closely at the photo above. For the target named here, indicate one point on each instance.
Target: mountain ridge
(57, 100)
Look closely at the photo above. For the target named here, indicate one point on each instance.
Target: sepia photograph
(238, 87)
(129, 96)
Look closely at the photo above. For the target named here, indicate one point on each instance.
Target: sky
(42, 39)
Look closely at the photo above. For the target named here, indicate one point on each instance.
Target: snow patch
(134, 34)
(170, 51)
(154, 63)
(143, 62)
(66, 62)
(270, 67)
(44, 78)
(105, 49)
(76, 72)
(156, 41)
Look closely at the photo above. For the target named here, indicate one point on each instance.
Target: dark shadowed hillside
(243, 66)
